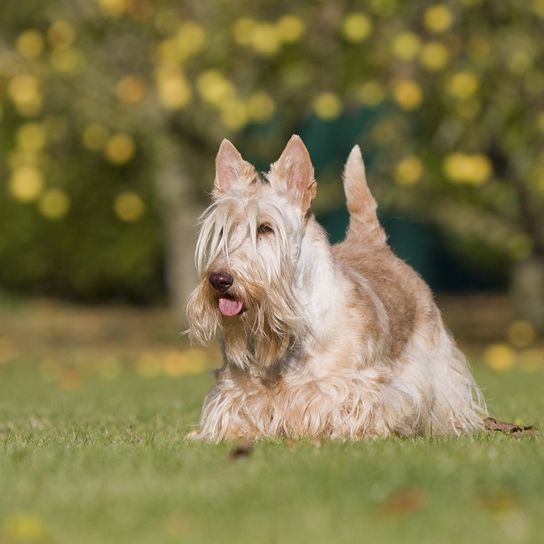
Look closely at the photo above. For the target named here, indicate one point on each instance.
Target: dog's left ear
(232, 172)
(293, 174)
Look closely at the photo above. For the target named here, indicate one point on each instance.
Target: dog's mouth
(230, 306)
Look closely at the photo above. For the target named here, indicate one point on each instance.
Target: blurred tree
(112, 111)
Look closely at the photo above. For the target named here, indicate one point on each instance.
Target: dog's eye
(265, 228)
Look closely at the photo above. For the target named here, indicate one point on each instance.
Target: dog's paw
(193, 436)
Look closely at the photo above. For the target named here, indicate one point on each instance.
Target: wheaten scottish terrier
(341, 342)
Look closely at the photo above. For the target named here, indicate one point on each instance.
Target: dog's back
(365, 256)
(418, 341)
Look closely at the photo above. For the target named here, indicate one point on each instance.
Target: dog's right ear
(293, 174)
(232, 172)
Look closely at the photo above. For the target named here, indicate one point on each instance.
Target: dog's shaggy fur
(328, 342)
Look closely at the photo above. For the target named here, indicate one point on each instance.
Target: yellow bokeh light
(406, 45)
(463, 85)
(113, 8)
(120, 149)
(167, 53)
(95, 136)
(243, 30)
(234, 114)
(67, 61)
(190, 39)
(214, 88)
(30, 44)
(521, 334)
(260, 106)
(54, 204)
(290, 28)
(174, 90)
(26, 183)
(467, 168)
(356, 27)
(408, 170)
(434, 56)
(265, 39)
(24, 91)
(61, 35)
(22, 84)
(407, 94)
(438, 18)
(481, 168)
(327, 106)
(371, 93)
(31, 137)
(130, 89)
(499, 357)
(129, 206)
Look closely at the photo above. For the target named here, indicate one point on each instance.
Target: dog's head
(248, 254)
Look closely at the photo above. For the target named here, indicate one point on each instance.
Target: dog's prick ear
(293, 174)
(231, 171)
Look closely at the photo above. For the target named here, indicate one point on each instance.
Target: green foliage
(91, 90)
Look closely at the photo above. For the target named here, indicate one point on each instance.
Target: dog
(319, 341)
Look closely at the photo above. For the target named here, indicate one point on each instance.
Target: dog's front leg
(224, 417)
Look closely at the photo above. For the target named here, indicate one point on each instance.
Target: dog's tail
(363, 220)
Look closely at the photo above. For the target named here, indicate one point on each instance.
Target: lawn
(102, 457)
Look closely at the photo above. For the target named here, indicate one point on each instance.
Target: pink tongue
(230, 307)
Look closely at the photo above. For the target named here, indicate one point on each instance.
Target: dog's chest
(299, 403)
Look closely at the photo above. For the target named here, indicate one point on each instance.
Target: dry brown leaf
(517, 431)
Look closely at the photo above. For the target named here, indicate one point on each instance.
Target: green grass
(108, 462)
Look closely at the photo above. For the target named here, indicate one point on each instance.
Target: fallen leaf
(517, 431)
(404, 501)
(244, 449)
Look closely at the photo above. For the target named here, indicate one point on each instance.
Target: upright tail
(363, 220)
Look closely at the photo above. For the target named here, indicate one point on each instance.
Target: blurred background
(111, 112)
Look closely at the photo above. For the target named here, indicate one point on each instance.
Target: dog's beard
(271, 322)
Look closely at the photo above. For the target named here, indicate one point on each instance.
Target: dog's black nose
(221, 281)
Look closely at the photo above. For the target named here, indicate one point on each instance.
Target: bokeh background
(111, 112)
